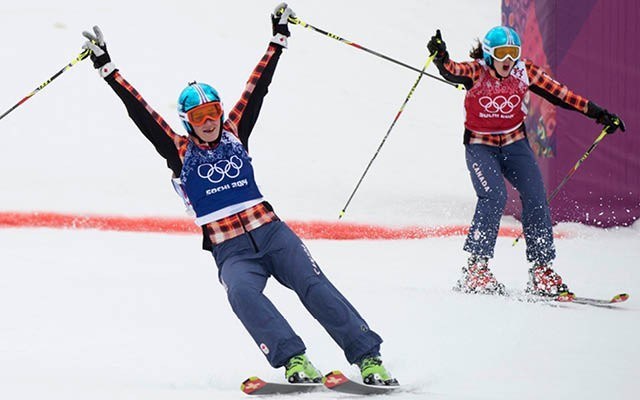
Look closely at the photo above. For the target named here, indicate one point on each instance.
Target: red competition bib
(495, 105)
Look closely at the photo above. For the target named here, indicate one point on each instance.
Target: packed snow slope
(113, 315)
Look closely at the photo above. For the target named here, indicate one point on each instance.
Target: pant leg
(522, 171)
(292, 264)
(244, 276)
(488, 182)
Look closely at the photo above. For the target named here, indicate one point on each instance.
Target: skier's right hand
(99, 55)
(437, 45)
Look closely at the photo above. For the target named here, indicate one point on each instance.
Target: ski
(619, 298)
(524, 297)
(256, 386)
(565, 298)
(338, 382)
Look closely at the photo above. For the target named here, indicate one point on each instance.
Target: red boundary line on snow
(305, 229)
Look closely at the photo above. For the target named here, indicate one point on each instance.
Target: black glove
(99, 54)
(611, 121)
(280, 23)
(437, 45)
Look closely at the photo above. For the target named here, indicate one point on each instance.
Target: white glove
(99, 55)
(280, 24)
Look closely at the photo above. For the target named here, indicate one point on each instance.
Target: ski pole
(298, 21)
(73, 62)
(573, 170)
(406, 100)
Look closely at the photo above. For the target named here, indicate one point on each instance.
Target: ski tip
(252, 384)
(334, 378)
(619, 298)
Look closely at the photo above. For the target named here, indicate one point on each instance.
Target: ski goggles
(198, 116)
(501, 53)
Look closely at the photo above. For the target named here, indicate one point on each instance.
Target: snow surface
(106, 315)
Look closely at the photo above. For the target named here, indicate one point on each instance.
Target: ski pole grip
(84, 54)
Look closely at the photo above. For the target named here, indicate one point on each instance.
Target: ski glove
(99, 55)
(611, 121)
(437, 45)
(280, 24)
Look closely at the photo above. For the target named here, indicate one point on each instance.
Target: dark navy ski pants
(247, 261)
(488, 166)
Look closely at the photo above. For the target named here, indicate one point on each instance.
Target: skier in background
(497, 82)
(212, 172)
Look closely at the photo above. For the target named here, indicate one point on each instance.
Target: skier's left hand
(611, 121)
(280, 23)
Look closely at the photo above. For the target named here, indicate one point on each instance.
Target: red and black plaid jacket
(172, 146)
(540, 83)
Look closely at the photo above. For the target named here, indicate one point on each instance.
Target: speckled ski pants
(488, 167)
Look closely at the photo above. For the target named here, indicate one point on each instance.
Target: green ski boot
(373, 373)
(300, 370)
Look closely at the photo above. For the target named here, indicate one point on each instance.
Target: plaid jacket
(173, 147)
(540, 83)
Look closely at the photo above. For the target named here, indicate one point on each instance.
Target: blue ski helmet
(192, 96)
(498, 36)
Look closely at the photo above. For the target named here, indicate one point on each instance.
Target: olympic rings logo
(215, 173)
(499, 103)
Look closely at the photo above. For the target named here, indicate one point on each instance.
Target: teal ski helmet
(496, 37)
(192, 96)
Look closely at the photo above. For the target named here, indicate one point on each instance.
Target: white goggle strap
(183, 116)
